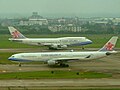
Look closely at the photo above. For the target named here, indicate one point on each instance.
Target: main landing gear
(64, 65)
(19, 64)
(83, 47)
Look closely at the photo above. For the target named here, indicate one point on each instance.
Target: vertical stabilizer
(15, 33)
(109, 46)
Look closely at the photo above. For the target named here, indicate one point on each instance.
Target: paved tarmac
(60, 83)
(46, 50)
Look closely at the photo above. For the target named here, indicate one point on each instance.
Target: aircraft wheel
(19, 64)
(61, 65)
(51, 48)
(64, 65)
(67, 65)
(83, 48)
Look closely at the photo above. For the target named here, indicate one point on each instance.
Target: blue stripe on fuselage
(19, 60)
(82, 43)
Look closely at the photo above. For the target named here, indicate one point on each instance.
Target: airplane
(52, 43)
(61, 58)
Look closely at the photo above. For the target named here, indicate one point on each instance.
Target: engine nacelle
(51, 63)
(63, 46)
(55, 46)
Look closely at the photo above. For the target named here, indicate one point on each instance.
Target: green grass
(55, 75)
(4, 57)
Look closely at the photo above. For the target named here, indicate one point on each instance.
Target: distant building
(38, 22)
(35, 16)
(35, 19)
(116, 21)
(65, 28)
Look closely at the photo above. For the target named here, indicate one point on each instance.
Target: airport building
(35, 19)
(69, 27)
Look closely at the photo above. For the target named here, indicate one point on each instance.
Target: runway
(60, 84)
(17, 50)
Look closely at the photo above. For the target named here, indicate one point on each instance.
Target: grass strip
(53, 75)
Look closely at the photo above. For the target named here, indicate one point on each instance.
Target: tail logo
(109, 46)
(15, 34)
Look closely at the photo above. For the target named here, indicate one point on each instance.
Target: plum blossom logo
(109, 46)
(15, 34)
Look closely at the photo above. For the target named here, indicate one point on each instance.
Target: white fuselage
(46, 56)
(55, 42)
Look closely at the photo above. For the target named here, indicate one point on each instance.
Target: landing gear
(19, 64)
(83, 47)
(51, 48)
(64, 65)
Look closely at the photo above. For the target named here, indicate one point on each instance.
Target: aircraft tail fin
(109, 46)
(15, 33)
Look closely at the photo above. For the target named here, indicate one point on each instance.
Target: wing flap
(67, 59)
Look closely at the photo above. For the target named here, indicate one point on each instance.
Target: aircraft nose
(10, 58)
(89, 41)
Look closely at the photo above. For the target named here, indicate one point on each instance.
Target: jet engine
(55, 46)
(52, 63)
(63, 46)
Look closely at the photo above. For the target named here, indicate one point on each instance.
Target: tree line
(91, 29)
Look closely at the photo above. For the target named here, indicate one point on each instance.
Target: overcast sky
(75, 7)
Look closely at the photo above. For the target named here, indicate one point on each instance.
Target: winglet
(109, 46)
(15, 33)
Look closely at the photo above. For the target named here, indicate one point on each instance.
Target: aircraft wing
(67, 59)
(63, 60)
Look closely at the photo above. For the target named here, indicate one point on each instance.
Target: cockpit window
(13, 56)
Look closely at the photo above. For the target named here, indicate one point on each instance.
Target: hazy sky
(74, 7)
